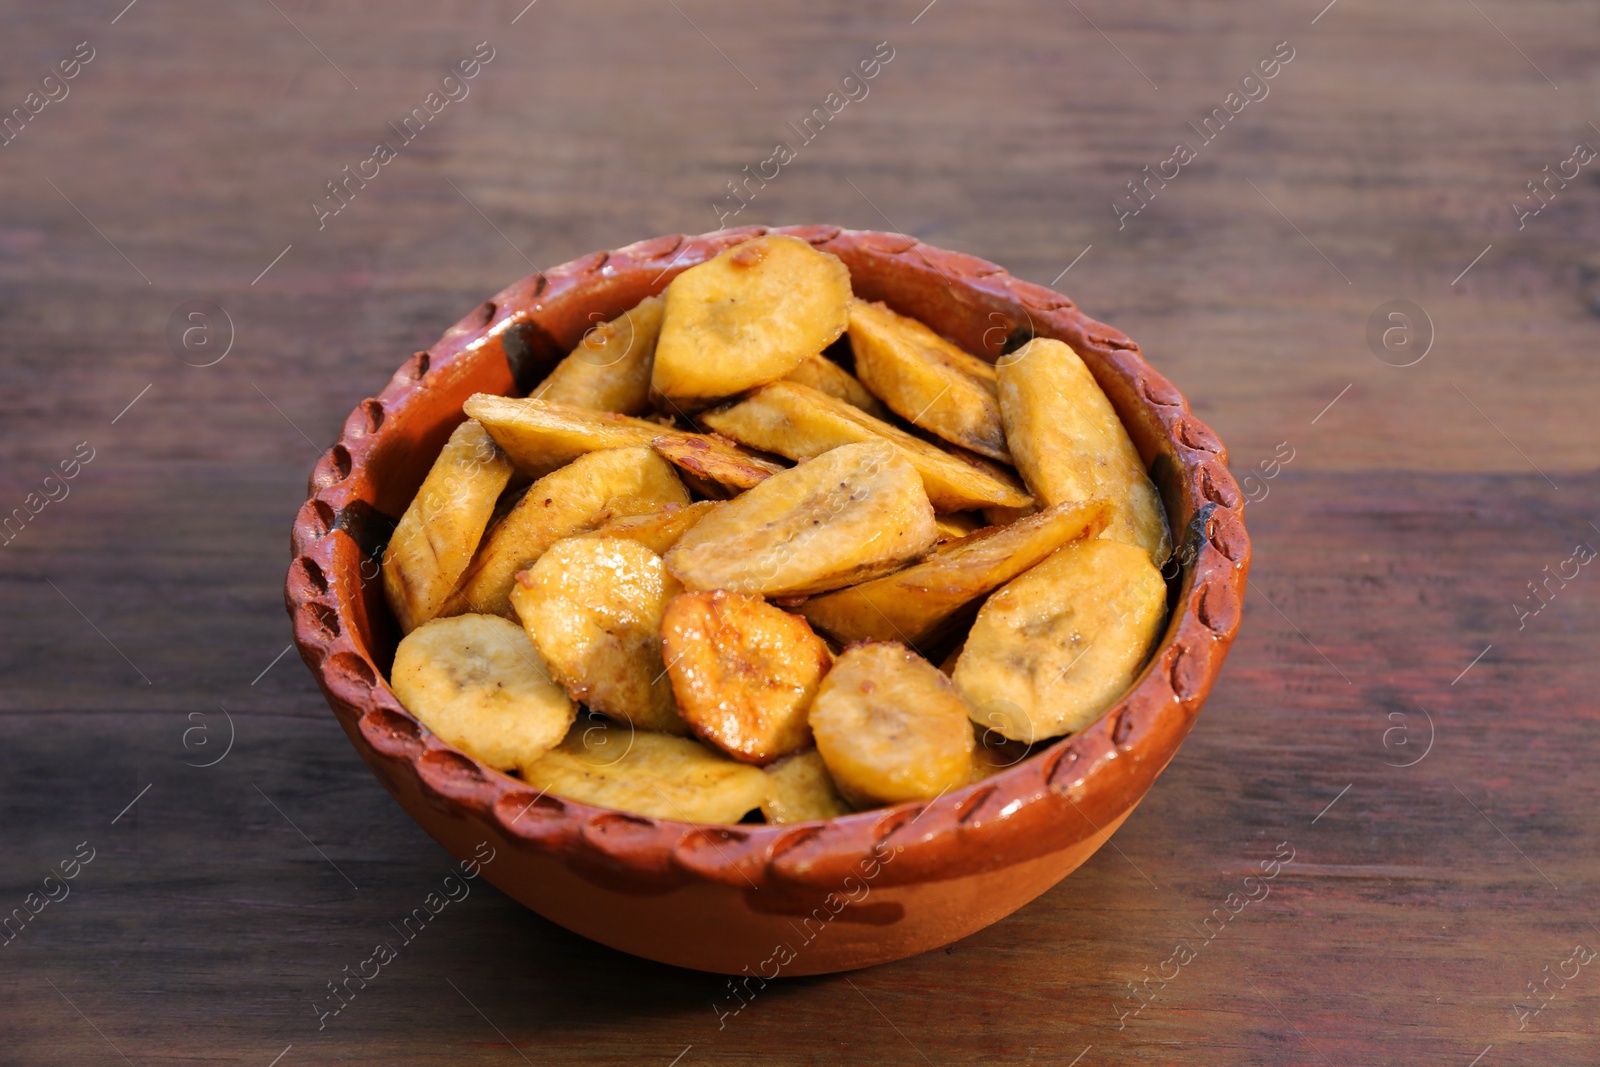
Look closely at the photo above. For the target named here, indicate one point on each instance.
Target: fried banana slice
(926, 380)
(441, 527)
(916, 604)
(748, 316)
(800, 790)
(1051, 651)
(850, 514)
(715, 461)
(890, 727)
(744, 672)
(799, 422)
(592, 606)
(826, 376)
(648, 774)
(610, 368)
(591, 489)
(541, 436)
(655, 530)
(477, 683)
(1069, 444)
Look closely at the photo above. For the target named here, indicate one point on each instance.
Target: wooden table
(1429, 761)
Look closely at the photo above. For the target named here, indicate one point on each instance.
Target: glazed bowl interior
(1062, 800)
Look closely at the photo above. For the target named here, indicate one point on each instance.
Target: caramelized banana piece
(916, 604)
(648, 774)
(715, 460)
(477, 683)
(744, 672)
(748, 316)
(890, 727)
(610, 368)
(1069, 444)
(655, 530)
(593, 609)
(926, 380)
(850, 514)
(592, 488)
(800, 790)
(799, 422)
(1051, 651)
(442, 525)
(541, 436)
(825, 376)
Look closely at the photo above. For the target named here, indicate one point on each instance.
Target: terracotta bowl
(798, 899)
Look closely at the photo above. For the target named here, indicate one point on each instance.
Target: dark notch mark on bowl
(531, 354)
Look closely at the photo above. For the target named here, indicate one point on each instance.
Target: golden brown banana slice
(591, 489)
(890, 727)
(916, 605)
(850, 514)
(826, 376)
(592, 606)
(610, 368)
(541, 436)
(748, 316)
(618, 767)
(800, 790)
(799, 422)
(1051, 651)
(715, 461)
(926, 380)
(1069, 444)
(479, 684)
(655, 530)
(744, 672)
(441, 527)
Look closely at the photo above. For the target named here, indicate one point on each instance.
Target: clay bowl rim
(1018, 814)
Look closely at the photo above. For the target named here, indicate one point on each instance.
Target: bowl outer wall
(960, 861)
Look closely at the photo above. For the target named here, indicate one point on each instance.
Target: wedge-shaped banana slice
(589, 490)
(796, 421)
(1069, 444)
(927, 380)
(748, 316)
(915, 605)
(477, 682)
(615, 766)
(825, 376)
(890, 727)
(713, 464)
(744, 672)
(592, 606)
(800, 789)
(436, 537)
(610, 368)
(541, 436)
(850, 514)
(1051, 651)
(655, 530)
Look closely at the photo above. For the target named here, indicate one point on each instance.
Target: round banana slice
(801, 790)
(890, 727)
(593, 607)
(478, 683)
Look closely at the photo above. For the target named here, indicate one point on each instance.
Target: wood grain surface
(1424, 748)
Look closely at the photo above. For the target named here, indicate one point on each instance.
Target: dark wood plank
(1389, 552)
